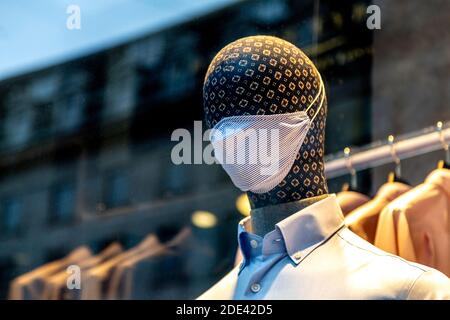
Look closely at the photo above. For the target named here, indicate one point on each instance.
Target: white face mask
(257, 151)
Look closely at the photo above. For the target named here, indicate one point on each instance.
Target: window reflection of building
(116, 189)
(120, 97)
(44, 87)
(17, 126)
(304, 33)
(10, 216)
(42, 91)
(177, 80)
(42, 119)
(62, 203)
(120, 88)
(180, 66)
(69, 112)
(176, 180)
(270, 11)
(149, 52)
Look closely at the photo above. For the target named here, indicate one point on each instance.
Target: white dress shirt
(313, 255)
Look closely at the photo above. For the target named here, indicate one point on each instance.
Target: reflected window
(270, 11)
(10, 216)
(116, 189)
(69, 113)
(42, 118)
(305, 33)
(121, 98)
(44, 87)
(148, 83)
(176, 180)
(178, 80)
(63, 203)
(17, 126)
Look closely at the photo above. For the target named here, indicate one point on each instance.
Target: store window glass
(86, 126)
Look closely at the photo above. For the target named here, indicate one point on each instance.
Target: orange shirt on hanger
(416, 226)
(364, 219)
(350, 200)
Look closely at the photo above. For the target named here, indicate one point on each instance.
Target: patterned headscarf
(267, 75)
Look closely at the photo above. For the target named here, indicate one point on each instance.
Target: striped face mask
(257, 151)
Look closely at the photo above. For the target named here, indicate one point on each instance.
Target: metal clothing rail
(377, 154)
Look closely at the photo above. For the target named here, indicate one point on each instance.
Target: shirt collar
(391, 190)
(440, 177)
(297, 235)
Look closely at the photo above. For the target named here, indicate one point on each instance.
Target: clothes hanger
(353, 185)
(396, 175)
(445, 163)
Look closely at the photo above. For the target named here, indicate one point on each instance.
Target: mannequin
(267, 75)
(298, 246)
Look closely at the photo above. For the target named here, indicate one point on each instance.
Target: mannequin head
(267, 75)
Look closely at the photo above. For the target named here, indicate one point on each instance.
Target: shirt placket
(263, 256)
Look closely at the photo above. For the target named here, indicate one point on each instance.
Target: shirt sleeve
(430, 285)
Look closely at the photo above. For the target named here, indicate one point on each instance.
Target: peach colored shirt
(122, 285)
(350, 200)
(364, 219)
(30, 286)
(416, 226)
(95, 280)
(56, 286)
